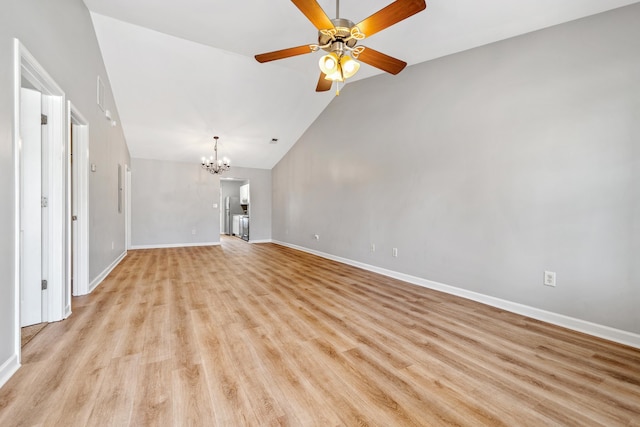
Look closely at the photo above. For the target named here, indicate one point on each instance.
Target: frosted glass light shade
(349, 66)
(329, 63)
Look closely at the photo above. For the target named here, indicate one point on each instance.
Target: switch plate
(549, 278)
(373, 247)
(394, 252)
(193, 231)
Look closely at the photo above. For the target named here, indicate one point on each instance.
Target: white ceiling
(182, 72)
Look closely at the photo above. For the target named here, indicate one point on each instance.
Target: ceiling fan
(339, 37)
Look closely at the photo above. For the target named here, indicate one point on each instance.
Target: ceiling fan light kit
(339, 37)
(213, 165)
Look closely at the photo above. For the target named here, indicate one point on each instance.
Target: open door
(31, 207)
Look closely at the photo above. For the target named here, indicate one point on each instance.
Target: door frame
(26, 66)
(127, 207)
(80, 192)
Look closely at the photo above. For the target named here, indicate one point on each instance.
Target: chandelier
(213, 165)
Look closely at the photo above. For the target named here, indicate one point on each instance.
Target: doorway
(235, 212)
(40, 204)
(78, 191)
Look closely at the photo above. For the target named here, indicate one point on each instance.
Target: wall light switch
(215, 206)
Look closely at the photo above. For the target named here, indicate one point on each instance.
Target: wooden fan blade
(392, 14)
(314, 13)
(284, 53)
(380, 60)
(323, 84)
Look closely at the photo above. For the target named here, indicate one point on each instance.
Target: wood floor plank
(152, 402)
(190, 396)
(306, 406)
(86, 378)
(232, 404)
(113, 405)
(260, 334)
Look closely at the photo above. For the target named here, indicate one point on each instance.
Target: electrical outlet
(394, 252)
(549, 278)
(373, 247)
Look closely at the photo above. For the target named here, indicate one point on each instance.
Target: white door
(30, 208)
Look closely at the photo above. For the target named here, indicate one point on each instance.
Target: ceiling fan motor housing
(343, 32)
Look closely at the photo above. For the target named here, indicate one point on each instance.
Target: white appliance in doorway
(231, 207)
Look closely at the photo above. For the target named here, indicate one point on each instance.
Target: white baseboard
(8, 368)
(95, 282)
(174, 245)
(261, 241)
(601, 331)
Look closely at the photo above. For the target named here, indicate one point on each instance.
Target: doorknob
(74, 217)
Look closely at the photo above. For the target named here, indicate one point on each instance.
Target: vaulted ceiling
(184, 71)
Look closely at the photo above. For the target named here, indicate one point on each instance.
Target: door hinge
(43, 119)
(44, 284)
(44, 202)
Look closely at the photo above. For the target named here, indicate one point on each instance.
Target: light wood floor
(247, 335)
(29, 332)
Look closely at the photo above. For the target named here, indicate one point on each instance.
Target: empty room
(319, 213)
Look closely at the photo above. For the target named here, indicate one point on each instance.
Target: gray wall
(170, 199)
(486, 168)
(60, 35)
